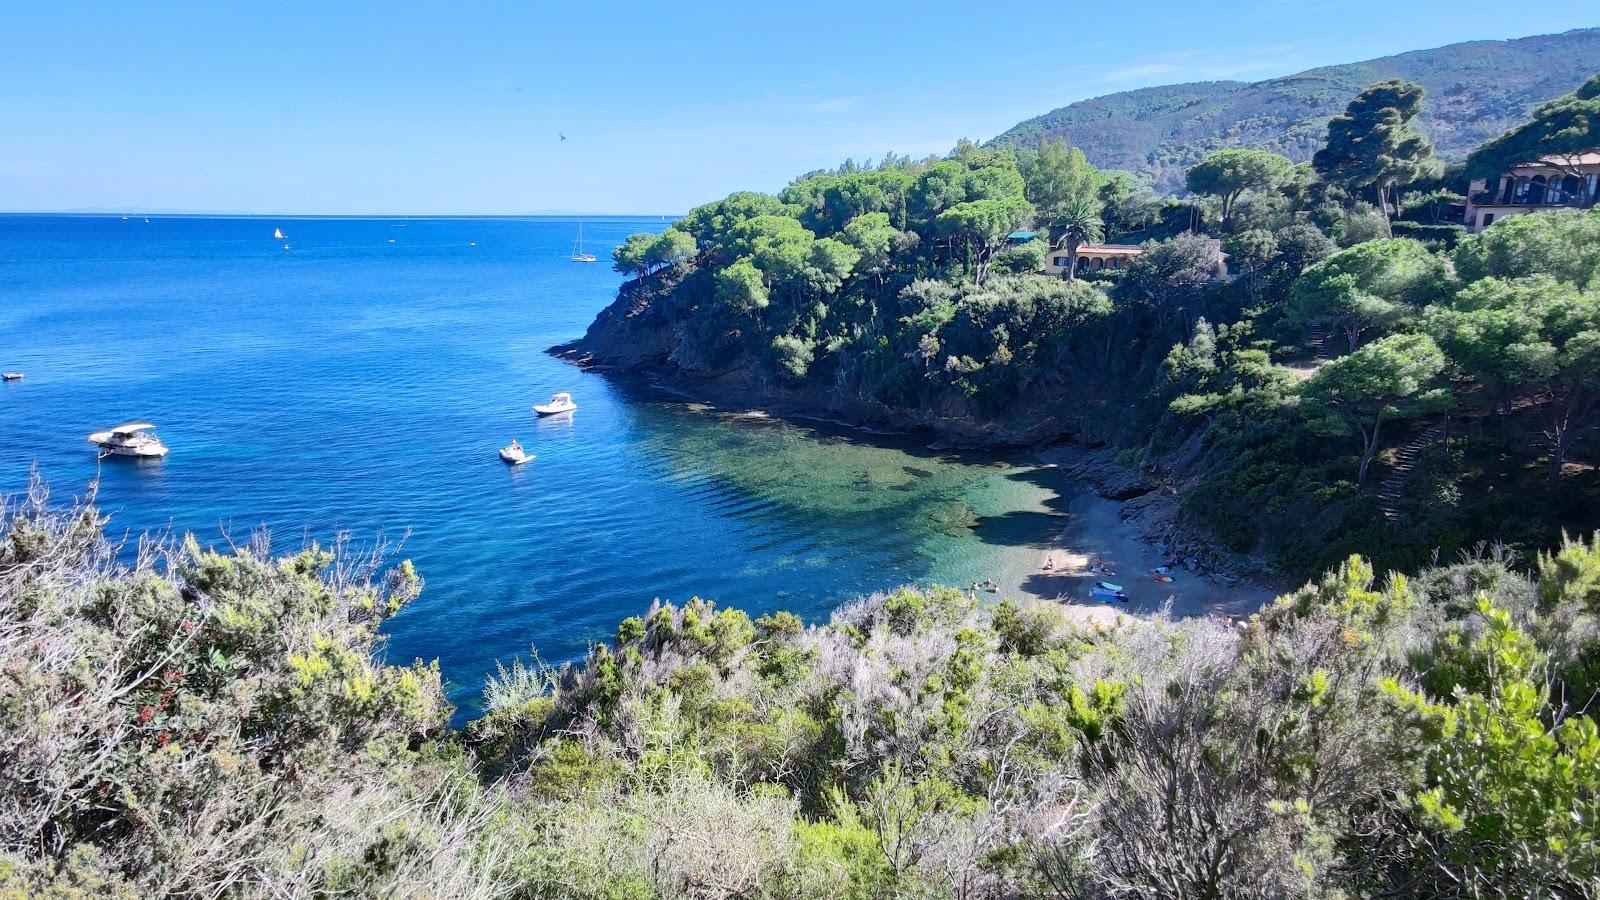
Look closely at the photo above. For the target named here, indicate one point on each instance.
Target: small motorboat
(11, 376)
(129, 439)
(559, 403)
(513, 454)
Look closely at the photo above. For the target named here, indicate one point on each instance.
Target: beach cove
(359, 384)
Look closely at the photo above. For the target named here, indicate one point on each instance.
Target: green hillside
(1475, 91)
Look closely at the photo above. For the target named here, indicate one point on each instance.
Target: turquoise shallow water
(362, 380)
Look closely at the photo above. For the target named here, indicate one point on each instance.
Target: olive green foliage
(1371, 288)
(1387, 380)
(899, 282)
(1564, 244)
(1375, 144)
(1067, 193)
(218, 726)
(1227, 174)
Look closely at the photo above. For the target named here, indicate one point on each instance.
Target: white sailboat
(277, 233)
(577, 248)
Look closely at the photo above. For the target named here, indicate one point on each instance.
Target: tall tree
(1564, 244)
(1374, 144)
(1369, 286)
(1385, 380)
(1536, 338)
(983, 227)
(1129, 203)
(1079, 224)
(1559, 134)
(1226, 174)
(1056, 179)
(1170, 277)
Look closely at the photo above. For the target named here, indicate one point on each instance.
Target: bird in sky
(563, 137)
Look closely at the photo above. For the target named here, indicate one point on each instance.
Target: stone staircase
(1392, 488)
(1317, 343)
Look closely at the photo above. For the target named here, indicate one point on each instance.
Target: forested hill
(1475, 90)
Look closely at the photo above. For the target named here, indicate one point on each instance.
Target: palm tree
(1080, 224)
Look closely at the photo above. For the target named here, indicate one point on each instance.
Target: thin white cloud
(1195, 66)
(1142, 72)
(832, 105)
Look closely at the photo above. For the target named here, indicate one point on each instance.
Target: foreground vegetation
(193, 723)
(1367, 378)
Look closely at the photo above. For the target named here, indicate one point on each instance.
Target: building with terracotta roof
(1092, 258)
(1555, 182)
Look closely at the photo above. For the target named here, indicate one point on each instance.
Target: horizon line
(130, 213)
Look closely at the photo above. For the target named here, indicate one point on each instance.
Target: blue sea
(359, 381)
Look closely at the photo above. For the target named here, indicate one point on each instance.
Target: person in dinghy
(513, 453)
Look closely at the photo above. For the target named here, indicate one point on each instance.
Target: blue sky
(348, 107)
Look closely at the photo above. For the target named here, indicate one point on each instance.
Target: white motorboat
(513, 454)
(129, 439)
(559, 403)
(12, 376)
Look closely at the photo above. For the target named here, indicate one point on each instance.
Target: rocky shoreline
(1143, 511)
(953, 429)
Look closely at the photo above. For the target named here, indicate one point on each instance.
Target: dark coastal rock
(639, 332)
(1109, 478)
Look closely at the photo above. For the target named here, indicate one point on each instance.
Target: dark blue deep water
(361, 381)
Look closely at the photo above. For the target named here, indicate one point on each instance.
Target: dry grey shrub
(193, 722)
(697, 838)
(1235, 761)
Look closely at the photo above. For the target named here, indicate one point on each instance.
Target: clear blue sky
(346, 107)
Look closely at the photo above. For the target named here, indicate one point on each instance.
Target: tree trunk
(1569, 414)
(1558, 459)
(1072, 260)
(1369, 450)
(1352, 336)
(1383, 205)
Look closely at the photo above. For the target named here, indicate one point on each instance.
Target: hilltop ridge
(1476, 90)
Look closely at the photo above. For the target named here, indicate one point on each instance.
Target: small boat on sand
(129, 439)
(11, 376)
(513, 454)
(1107, 592)
(559, 403)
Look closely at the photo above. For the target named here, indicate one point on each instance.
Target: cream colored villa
(1092, 257)
(1551, 183)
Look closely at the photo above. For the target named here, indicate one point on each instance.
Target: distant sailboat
(577, 248)
(277, 233)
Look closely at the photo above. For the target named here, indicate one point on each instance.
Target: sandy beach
(1103, 539)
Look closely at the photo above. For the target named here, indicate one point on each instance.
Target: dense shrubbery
(213, 724)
